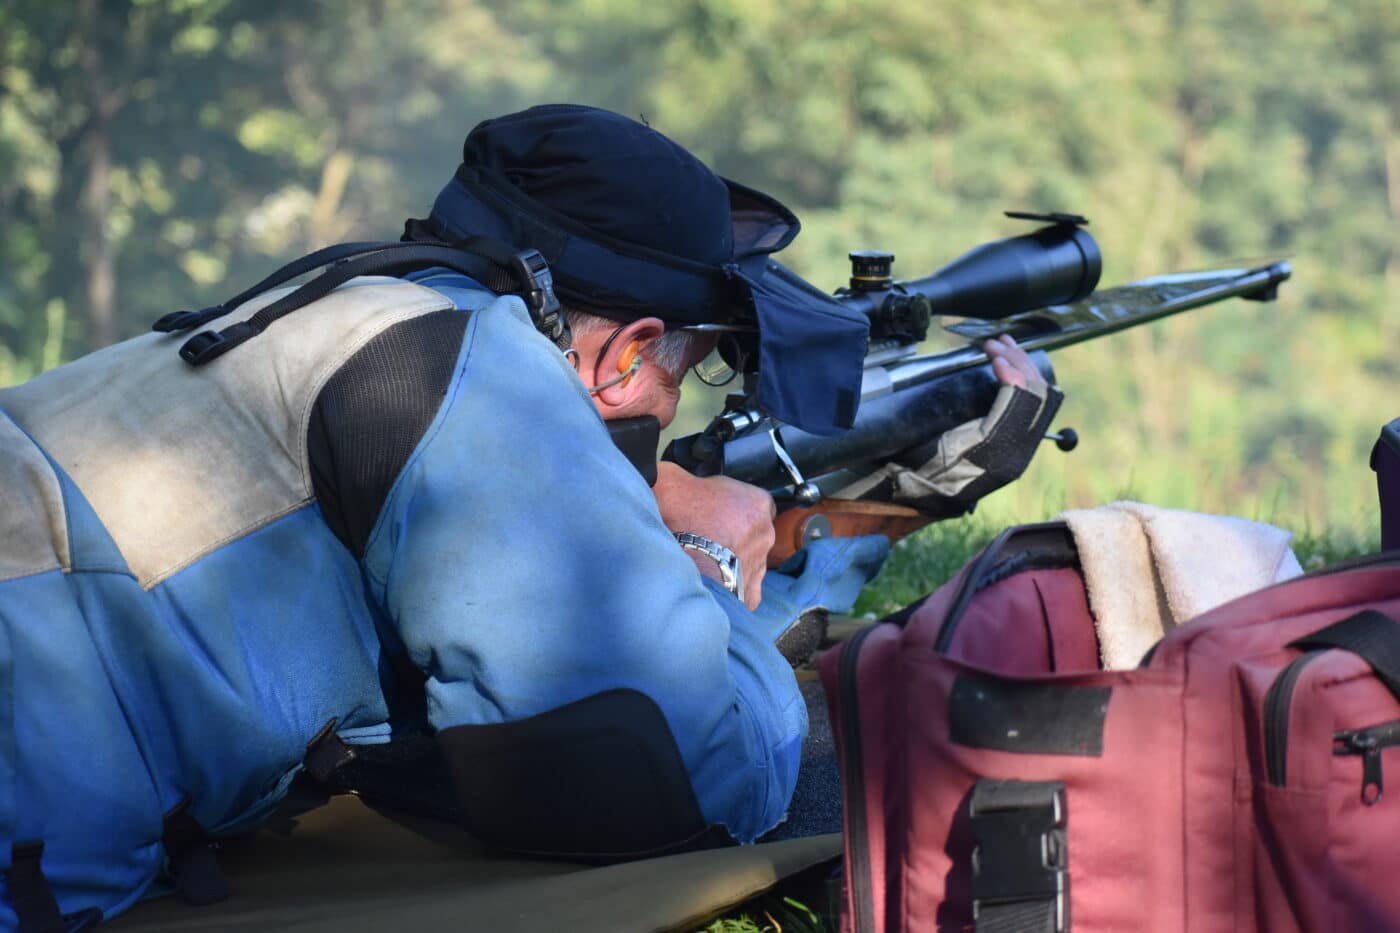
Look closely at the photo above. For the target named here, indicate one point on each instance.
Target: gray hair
(669, 351)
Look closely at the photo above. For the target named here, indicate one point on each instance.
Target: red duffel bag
(996, 779)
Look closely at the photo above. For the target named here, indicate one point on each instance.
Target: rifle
(1039, 288)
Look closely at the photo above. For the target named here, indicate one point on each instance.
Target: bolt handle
(1066, 439)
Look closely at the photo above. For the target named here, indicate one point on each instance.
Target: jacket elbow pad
(600, 779)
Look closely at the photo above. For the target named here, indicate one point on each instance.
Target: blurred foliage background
(163, 154)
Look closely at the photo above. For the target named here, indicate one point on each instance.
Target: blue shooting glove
(825, 576)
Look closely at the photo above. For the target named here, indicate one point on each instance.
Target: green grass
(804, 903)
(1316, 550)
(773, 914)
(924, 561)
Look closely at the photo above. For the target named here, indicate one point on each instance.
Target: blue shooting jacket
(177, 621)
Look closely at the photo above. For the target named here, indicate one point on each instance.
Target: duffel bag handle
(1041, 546)
(1371, 635)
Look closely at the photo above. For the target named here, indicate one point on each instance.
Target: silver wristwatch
(730, 573)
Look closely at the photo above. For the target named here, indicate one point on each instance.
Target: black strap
(1020, 867)
(30, 897)
(193, 866)
(1018, 917)
(529, 266)
(488, 261)
(1047, 545)
(178, 321)
(81, 920)
(326, 752)
(1373, 636)
(209, 344)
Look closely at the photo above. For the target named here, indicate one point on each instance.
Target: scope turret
(870, 270)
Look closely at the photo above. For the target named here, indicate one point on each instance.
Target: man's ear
(625, 351)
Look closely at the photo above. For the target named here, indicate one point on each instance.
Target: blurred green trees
(158, 154)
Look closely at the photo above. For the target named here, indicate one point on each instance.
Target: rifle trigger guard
(805, 493)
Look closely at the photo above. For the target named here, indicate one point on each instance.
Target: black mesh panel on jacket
(372, 413)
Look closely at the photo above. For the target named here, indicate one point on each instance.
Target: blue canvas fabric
(126, 702)
(811, 353)
(520, 562)
(551, 535)
(828, 573)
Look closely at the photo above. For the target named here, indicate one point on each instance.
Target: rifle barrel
(1102, 313)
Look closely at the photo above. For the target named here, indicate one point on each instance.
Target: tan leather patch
(33, 524)
(178, 460)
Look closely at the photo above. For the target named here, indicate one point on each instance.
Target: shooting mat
(346, 867)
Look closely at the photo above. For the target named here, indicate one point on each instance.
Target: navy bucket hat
(632, 225)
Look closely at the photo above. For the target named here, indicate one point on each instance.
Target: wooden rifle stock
(841, 518)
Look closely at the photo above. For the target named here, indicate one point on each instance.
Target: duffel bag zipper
(858, 868)
(1277, 703)
(1368, 743)
(1279, 699)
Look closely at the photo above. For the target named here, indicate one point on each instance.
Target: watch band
(731, 574)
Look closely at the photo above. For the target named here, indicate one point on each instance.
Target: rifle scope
(1054, 265)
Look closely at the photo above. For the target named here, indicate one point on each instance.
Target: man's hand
(1011, 364)
(726, 511)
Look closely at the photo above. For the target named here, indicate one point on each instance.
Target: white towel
(1149, 569)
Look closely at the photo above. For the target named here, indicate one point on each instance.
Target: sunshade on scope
(1056, 264)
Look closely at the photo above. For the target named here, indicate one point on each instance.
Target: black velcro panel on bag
(1031, 718)
(371, 414)
(600, 779)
